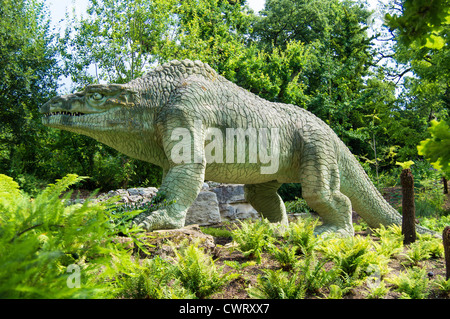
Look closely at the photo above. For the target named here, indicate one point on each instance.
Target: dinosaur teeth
(64, 113)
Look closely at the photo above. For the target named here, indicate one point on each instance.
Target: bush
(290, 191)
(443, 285)
(314, 275)
(423, 249)
(391, 241)
(297, 206)
(285, 255)
(429, 199)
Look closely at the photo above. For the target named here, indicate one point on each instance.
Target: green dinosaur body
(198, 126)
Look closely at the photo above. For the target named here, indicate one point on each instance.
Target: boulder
(214, 203)
(204, 210)
(232, 203)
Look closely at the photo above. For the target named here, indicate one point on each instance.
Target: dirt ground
(237, 289)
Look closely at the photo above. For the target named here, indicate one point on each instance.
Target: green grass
(216, 232)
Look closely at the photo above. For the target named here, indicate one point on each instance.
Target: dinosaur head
(99, 108)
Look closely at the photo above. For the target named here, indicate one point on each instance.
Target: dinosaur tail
(365, 197)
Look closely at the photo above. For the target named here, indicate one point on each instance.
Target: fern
(40, 237)
(443, 285)
(337, 292)
(417, 252)
(351, 255)
(377, 291)
(277, 284)
(253, 237)
(153, 279)
(198, 272)
(301, 234)
(314, 275)
(285, 255)
(412, 284)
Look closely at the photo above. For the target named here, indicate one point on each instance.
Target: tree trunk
(446, 241)
(444, 181)
(408, 207)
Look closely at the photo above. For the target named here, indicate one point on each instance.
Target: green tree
(29, 72)
(118, 39)
(436, 149)
(212, 31)
(422, 32)
(330, 81)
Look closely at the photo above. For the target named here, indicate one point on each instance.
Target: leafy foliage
(29, 72)
(253, 238)
(152, 280)
(301, 234)
(413, 284)
(41, 237)
(437, 148)
(277, 284)
(198, 272)
(314, 275)
(286, 255)
(420, 23)
(351, 255)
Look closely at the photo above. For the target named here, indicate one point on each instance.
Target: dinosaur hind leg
(265, 199)
(321, 190)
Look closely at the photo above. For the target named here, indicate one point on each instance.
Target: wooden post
(408, 207)
(446, 241)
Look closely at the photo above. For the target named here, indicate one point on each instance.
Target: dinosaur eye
(97, 96)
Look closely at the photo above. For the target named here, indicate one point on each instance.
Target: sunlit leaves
(437, 148)
(421, 23)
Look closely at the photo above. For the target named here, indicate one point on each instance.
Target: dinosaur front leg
(265, 199)
(181, 186)
(183, 146)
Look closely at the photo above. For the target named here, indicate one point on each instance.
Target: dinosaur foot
(334, 229)
(158, 219)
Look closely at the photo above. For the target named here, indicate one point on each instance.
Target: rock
(133, 192)
(161, 242)
(148, 191)
(232, 203)
(204, 210)
(215, 202)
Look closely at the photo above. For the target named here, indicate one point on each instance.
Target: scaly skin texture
(141, 119)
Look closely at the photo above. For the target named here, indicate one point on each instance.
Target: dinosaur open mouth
(64, 113)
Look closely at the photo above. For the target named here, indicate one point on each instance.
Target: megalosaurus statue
(197, 126)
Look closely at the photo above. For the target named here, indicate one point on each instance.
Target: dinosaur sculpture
(197, 126)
